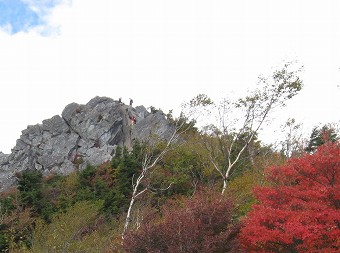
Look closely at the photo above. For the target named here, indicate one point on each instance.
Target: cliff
(82, 135)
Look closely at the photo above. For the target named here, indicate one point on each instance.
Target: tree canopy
(299, 211)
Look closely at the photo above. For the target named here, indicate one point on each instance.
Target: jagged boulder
(161, 128)
(83, 134)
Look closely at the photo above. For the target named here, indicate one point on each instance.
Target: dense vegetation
(294, 207)
(299, 210)
(217, 189)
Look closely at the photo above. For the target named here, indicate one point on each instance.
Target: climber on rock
(131, 101)
(133, 120)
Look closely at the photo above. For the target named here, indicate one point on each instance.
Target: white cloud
(164, 52)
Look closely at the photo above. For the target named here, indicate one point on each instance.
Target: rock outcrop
(82, 135)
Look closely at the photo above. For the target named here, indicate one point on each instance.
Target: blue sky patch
(21, 15)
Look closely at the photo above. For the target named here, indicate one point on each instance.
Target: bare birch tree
(293, 143)
(244, 117)
(150, 161)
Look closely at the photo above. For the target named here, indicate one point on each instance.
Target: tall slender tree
(240, 120)
(153, 155)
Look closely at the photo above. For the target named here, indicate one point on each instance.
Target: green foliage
(31, 190)
(76, 230)
(61, 191)
(127, 166)
(30, 186)
(275, 90)
(320, 136)
(6, 206)
(111, 182)
(48, 199)
(15, 230)
(241, 190)
(43, 195)
(3, 240)
(200, 100)
(183, 167)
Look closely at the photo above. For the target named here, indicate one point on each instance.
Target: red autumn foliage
(201, 224)
(300, 212)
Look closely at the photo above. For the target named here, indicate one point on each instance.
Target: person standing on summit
(131, 101)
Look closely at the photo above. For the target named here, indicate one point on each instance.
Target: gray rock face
(161, 128)
(82, 135)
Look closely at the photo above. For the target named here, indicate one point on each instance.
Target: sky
(163, 53)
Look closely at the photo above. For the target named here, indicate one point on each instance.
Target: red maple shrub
(201, 224)
(300, 211)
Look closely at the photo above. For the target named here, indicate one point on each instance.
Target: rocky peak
(82, 135)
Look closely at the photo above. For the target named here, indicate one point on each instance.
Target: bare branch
(141, 192)
(148, 164)
(256, 107)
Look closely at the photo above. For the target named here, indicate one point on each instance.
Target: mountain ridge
(83, 134)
